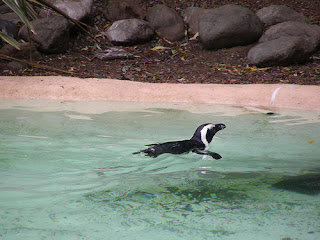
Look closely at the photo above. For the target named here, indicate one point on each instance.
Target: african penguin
(199, 143)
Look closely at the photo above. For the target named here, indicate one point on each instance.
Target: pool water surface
(67, 172)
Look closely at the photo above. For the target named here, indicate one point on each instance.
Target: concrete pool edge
(306, 97)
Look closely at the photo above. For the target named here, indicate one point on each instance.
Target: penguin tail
(148, 152)
(151, 145)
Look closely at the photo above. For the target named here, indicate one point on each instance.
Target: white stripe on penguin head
(203, 134)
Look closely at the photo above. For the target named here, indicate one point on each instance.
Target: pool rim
(304, 97)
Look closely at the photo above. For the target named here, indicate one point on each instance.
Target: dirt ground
(181, 62)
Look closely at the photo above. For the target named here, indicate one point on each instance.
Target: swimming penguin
(199, 143)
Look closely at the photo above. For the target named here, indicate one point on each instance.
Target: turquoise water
(67, 172)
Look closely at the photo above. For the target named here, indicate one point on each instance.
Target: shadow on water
(191, 187)
(306, 184)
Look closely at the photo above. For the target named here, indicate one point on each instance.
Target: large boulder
(282, 51)
(229, 26)
(130, 32)
(77, 9)
(309, 33)
(52, 34)
(286, 43)
(167, 22)
(124, 9)
(274, 14)
(191, 16)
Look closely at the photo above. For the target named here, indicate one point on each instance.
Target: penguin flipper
(214, 155)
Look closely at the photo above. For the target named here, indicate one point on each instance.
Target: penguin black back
(198, 143)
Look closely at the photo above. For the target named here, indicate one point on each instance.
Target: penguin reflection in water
(199, 143)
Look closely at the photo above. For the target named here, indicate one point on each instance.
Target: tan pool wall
(89, 89)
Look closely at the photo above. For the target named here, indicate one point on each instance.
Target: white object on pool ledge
(274, 94)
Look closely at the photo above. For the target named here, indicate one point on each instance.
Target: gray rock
(124, 9)
(286, 43)
(309, 33)
(11, 17)
(167, 22)
(77, 9)
(278, 13)
(9, 28)
(16, 66)
(191, 16)
(114, 53)
(23, 53)
(229, 26)
(282, 51)
(130, 32)
(5, 9)
(52, 34)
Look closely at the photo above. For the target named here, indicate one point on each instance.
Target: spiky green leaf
(18, 10)
(10, 40)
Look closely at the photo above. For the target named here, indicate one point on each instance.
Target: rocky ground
(181, 62)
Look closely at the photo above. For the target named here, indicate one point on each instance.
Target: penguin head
(205, 132)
